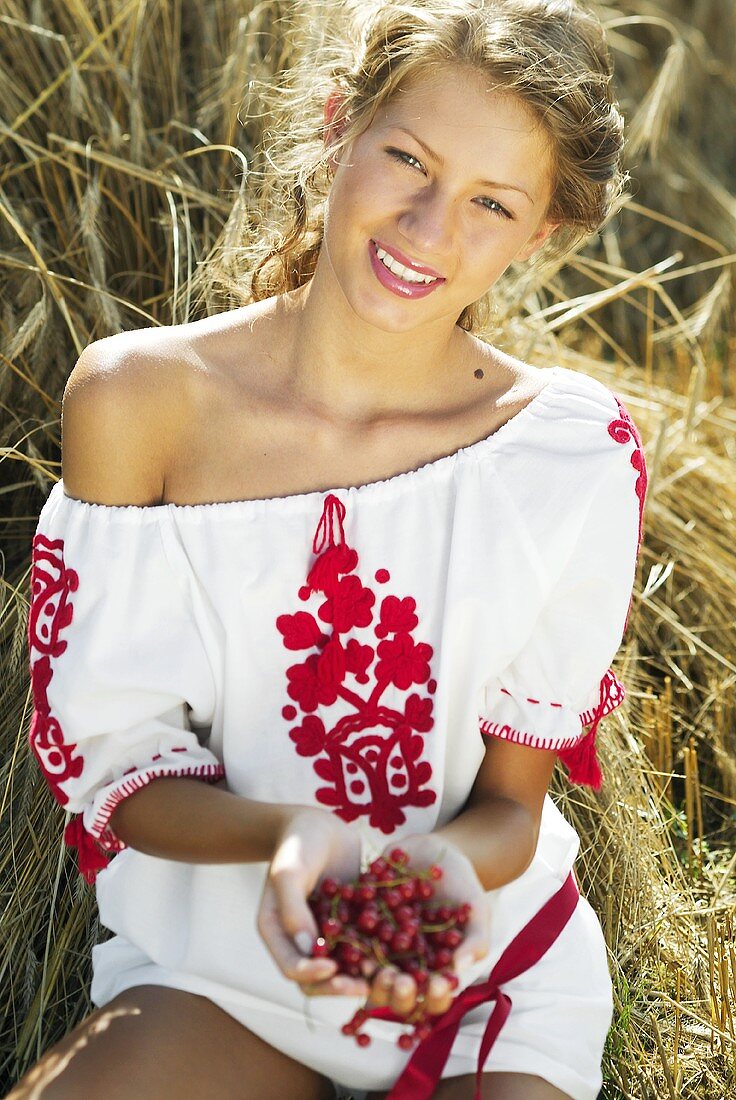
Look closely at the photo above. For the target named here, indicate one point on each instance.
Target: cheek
(488, 252)
(493, 248)
(357, 195)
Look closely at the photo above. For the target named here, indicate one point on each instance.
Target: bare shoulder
(134, 401)
(514, 383)
(120, 402)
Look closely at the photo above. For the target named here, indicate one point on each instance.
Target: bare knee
(156, 1043)
(495, 1086)
(499, 1086)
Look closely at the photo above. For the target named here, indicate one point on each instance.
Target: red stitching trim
(588, 716)
(99, 829)
(505, 692)
(610, 704)
(508, 733)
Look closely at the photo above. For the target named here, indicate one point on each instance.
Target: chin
(390, 316)
(390, 322)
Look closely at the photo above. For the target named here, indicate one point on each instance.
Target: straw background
(121, 168)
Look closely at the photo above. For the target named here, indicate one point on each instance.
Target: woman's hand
(313, 845)
(459, 883)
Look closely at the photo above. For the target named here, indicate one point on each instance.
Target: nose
(427, 225)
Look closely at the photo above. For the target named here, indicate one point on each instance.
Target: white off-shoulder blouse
(349, 649)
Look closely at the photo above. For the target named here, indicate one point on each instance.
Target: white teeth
(400, 271)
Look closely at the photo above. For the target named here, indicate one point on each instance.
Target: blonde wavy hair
(552, 54)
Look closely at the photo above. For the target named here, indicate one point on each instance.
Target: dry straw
(124, 166)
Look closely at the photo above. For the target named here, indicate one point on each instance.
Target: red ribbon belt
(424, 1069)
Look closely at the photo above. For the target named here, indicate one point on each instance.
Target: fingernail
(304, 942)
(318, 967)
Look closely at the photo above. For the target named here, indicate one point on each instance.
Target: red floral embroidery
(403, 662)
(397, 615)
(348, 605)
(418, 712)
(300, 631)
(51, 612)
(623, 430)
(311, 737)
(357, 659)
(370, 759)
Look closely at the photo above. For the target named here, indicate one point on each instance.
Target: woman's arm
(185, 819)
(499, 826)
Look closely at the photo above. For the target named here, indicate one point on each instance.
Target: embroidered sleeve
(123, 691)
(561, 682)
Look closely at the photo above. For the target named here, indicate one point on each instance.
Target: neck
(349, 369)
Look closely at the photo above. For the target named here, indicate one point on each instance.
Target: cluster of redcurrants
(389, 916)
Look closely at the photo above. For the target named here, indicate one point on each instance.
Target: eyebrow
(483, 183)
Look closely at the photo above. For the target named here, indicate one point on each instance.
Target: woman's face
(450, 176)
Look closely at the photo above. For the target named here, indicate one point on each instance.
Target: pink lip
(411, 264)
(396, 285)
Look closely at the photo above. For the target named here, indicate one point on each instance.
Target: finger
(471, 952)
(380, 992)
(403, 995)
(292, 963)
(438, 997)
(295, 915)
(476, 944)
(342, 985)
(368, 968)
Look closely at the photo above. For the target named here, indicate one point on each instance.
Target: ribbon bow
(424, 1069)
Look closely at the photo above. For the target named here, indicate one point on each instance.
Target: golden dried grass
(123, 167)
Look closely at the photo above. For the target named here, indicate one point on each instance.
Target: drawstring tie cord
(329, 546)
(333, 515)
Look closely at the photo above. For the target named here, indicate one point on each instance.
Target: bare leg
(496, 1086)
(156, 1043)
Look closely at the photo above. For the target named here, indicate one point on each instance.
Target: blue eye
(410, 161)
(500, 211)
(404, 158)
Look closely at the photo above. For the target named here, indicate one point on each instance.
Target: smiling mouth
(397, 278)
(401, 271)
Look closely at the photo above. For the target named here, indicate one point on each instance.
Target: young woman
(350, 578)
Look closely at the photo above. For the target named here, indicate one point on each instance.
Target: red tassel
(323, 574)
(581, 761)
(329, 566)
(90, 857)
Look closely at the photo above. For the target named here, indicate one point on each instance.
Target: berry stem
(438, 927)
